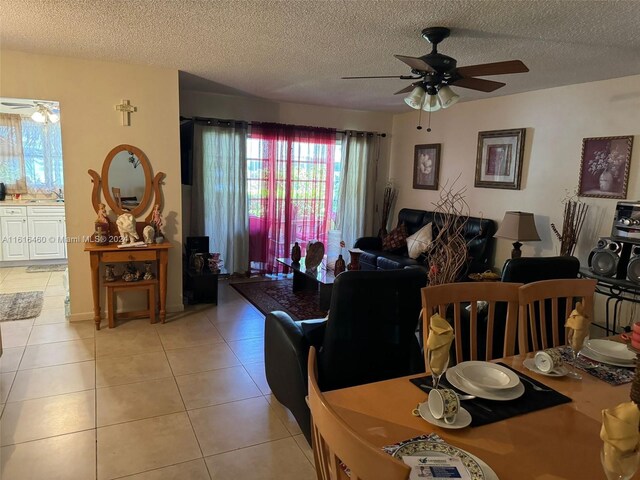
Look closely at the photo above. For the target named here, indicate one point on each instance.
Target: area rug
(17, 306)
(58, 267)
(270, 295)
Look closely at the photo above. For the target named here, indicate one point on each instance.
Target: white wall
(200, 104)
(87, 91)
(556, 121)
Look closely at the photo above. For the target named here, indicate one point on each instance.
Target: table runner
(609, 373)
(484, 412)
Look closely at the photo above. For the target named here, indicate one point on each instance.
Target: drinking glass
(574, 373)
(623, 467)
(435, 377)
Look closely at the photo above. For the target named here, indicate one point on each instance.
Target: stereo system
(618, 256)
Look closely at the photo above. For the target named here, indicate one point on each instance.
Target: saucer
(463, 419)
(530, 364)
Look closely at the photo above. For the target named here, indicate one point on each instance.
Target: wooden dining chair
(335, 443)
(452, 298)
(545, 307)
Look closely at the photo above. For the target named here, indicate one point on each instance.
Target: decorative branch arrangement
(390, 194)
(448, 253)
(575, 213)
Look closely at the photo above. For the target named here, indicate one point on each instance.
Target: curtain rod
(208, 121)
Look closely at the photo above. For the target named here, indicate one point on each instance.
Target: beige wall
(200, 104)
(556, 121)
(87, 91)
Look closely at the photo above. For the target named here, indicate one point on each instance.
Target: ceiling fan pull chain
(419, 127)
(429, 122)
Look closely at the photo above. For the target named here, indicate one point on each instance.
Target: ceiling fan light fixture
(54, 117)
(415, 98)
(447, 97)
(38, 116)
(431, 103)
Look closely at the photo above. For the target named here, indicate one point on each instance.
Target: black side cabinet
(203, 286)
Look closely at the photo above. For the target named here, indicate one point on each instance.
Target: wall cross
(127, 109)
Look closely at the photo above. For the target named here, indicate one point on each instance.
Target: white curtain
(11, 153)
(219, 192)
(356, 211)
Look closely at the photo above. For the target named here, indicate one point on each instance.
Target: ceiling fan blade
(17, 105)
(415, 63)
(405, 89)
(401, 77)
(497, 68)
(478, 84)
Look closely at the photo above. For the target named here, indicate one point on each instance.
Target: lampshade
(38, 116)
(447, 97)
(519, 226)
(414, 100)
(54, 117)
(431, 104)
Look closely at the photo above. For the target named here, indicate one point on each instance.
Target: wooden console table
(158, 252)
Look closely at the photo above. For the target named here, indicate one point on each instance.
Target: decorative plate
(421, 447)
(315, 252)
(615, 351)
(487, 375)
(587, 352)
(501, 395)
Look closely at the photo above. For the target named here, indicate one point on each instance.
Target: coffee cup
(444, 404)
(548, 360)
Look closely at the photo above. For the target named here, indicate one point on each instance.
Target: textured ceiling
(297, 50)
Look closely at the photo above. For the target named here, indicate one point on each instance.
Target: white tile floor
(183, 400)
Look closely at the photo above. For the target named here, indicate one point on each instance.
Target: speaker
(633, 267)
(604, 259)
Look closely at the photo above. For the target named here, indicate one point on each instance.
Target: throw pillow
(396, 239)
(419, 242)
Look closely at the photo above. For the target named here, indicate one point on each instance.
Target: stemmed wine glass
(573, 373)
(435, 375)
(623, 467)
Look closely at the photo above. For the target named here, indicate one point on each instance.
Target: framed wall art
(604, 167)
(426, 166)
(499, 158)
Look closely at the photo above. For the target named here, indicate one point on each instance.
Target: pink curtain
(290, 190)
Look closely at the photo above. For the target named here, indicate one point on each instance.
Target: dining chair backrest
(336, 444)
(451, 298)
(545, 307)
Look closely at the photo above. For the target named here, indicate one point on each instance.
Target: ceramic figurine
(148, 234)
(100, 235)
(109, 276)
(127, 228)
(157, 221)
(340, 266)
(148, 274)
(131, 274)
(296, 253)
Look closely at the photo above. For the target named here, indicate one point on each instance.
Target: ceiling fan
(435, 72)
(44, 112)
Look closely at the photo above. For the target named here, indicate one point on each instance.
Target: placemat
(484, 412)
(609, 373)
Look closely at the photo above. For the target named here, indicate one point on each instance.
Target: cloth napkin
(579, 323)
(438, 343)
(620, 436)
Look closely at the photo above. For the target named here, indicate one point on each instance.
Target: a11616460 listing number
(45, 239)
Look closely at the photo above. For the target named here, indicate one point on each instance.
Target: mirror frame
(146, 168)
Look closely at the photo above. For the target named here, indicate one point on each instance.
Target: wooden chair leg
(111, 306)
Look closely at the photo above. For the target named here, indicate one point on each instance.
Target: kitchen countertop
(37, 202)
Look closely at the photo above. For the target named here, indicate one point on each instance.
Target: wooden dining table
(561, 442)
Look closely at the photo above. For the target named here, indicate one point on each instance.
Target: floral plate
(472, 464)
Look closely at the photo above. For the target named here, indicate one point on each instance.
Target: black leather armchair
(369, 336)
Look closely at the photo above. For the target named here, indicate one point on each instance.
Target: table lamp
(518, 226)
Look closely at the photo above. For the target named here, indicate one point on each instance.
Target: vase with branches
(575, 213)
(390, 194)
(448, 253)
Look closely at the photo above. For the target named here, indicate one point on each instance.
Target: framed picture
(499, 159)
(604, 168)
(426, 166)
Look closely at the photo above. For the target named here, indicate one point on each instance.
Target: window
(30, 155)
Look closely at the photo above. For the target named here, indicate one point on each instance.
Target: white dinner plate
(530, 364)
(478, 470)
(463, 419)
(488, 376)
(612, 350)
(501, 395)
(587, 352)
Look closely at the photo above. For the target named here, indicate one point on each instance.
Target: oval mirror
(126, 180)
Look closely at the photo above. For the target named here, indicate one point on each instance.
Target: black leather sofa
(369, 336)
(478, 234)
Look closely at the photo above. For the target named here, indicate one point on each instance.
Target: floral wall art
(426, 166)
(604, 170)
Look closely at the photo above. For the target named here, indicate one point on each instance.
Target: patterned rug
(18, 306)
(58, 267)
(270, 295)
